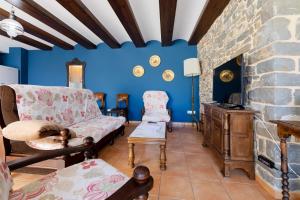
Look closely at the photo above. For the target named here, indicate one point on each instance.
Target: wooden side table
(143, 136)
(285, 129)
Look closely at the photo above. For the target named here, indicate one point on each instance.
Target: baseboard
(175, 124)
(274, 193)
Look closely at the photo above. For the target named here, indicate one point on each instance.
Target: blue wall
(17, 58)
(110, 71)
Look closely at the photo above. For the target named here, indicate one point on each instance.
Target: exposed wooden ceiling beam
(38, 12)
(167, 9)
(83, 14)
(26, 40)
(29, 28)
(124, 12)
(212, 10)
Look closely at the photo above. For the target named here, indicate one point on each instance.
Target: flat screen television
(228, 84)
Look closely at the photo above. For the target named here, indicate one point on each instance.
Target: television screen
(228, 82)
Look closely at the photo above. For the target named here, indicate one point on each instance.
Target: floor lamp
(191, 69)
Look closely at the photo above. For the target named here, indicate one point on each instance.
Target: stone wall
(267, 32)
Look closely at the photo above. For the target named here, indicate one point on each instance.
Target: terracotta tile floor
(192, 171)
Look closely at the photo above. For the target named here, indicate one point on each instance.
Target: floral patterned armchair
(90, 179)
(155, 108)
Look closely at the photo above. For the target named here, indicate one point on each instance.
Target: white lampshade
(191, 67)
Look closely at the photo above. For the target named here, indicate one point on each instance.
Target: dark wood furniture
(17, 149)
(137, 187)
(285, 129)
(121, 110)
(101, 98)
(230, 134)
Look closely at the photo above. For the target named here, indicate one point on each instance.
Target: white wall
(8, 75)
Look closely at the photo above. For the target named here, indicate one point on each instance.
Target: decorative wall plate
(154, 61)
(168, 75)
(138, 71)
(226, 75)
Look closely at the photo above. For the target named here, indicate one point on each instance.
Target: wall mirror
(75, 73)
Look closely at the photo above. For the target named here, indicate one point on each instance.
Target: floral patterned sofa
(90, 180)
(155, 108)
(75, 109)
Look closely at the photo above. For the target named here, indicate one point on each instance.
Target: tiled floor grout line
(189, 175)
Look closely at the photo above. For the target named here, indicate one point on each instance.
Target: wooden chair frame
(136, 187)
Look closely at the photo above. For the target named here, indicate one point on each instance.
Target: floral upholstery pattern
(63, 105)
(76, 109)
(156, 117)
(89, 180)
(155, 103)
(97, 128)
(5, 180)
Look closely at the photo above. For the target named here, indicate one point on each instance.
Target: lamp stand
(194, 119)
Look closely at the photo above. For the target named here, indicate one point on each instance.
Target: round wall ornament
(168, 75)
(138, 71)
(226, 76)
(154, 61)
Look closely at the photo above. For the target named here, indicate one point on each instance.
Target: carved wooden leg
(163, 157)
(142, 197)
(141, 175)
(131, 155)
(226, 170)
(91, 152)
(284, 169)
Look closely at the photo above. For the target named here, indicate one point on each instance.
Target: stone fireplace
(267, 32)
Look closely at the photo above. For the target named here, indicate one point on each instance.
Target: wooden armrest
(137, 187)
(48, 154)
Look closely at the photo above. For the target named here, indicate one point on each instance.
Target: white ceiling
(146, 13)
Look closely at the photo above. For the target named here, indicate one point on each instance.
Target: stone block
(294, 153)
(295, 168)
(272, 151)
(277, 96)
(261, 146)
(286, 7)
(273, 30)
(266, 129)
(297, 97)
(278, 112)
(280, 79)
(275, 64)
(267, 175)
(298, 29)
(294, 184)
(260, 54)
(286, 48)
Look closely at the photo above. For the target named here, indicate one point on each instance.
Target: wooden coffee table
(149, 133)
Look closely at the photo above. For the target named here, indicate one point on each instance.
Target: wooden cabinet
(230, 134)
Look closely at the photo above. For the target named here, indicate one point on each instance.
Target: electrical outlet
(189, 112)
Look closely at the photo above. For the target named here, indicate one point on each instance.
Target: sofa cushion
(31, 130)
(96, 128)
(156, 117)
(92, 179)
(5, 180)
(63, 105)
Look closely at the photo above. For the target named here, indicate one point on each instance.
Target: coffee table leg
(131, 155)
(163, 157)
